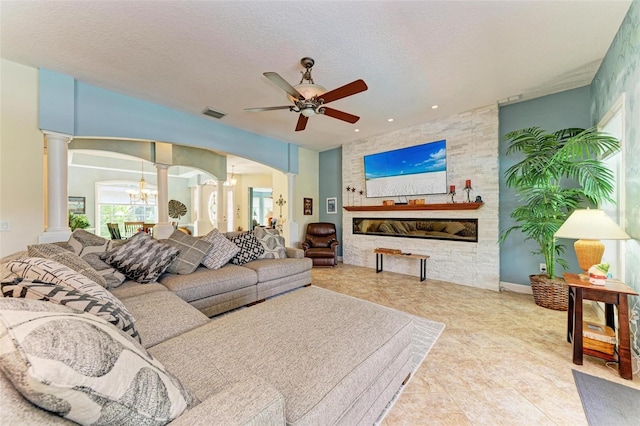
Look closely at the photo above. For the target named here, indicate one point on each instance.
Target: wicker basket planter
(550, 293)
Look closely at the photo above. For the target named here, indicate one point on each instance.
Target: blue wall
(73, 107)
(553, 112)
(330, 169)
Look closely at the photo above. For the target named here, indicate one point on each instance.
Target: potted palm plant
(559, 171)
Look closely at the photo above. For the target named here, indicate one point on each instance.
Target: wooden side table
(423, 261)
(613, 293)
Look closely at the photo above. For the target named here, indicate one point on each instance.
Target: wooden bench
(380, 252)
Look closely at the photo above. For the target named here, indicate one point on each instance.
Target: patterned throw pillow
(192, 251)
(79, 367)
(272, 242)
(38, 290)
(67, 258)
(250, 248)
(50, 271)
(141, 258)
(221, 251)
(89, 247)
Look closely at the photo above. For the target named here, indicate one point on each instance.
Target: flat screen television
(415, 170)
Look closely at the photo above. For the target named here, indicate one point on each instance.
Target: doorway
(260, 206)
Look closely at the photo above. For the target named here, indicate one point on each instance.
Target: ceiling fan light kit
(309, 99)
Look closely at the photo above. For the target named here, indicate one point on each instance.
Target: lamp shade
(591, 224)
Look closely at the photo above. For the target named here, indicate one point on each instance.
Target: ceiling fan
(309, 98)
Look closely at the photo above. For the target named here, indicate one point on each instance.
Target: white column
(291, 225)
(164, 228)
(221, 206)
(201, 224)
(57, 188)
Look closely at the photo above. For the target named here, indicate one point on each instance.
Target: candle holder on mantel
(468, 189)
(452, 193)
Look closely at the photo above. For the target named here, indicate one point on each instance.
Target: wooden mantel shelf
(402, 207)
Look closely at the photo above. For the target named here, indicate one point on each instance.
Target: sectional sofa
(142, 354)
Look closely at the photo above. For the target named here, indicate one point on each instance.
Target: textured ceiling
(188, 55)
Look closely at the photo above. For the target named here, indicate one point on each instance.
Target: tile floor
(501, 360)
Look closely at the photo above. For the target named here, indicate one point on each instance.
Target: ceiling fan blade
(341, 115)
(302, 123)
(344, 91)
(282, 83)
(267, 108)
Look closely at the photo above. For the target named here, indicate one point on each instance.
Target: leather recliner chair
(321, 244)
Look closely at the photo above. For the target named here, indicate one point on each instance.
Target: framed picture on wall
(332, 207)
(77, 205)
(308, 206)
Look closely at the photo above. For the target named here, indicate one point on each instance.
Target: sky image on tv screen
(425, 158)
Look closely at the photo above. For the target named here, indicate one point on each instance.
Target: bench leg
(378, 262)
(423, 269)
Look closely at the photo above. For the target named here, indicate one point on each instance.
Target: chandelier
(232, 181)
(142, 195)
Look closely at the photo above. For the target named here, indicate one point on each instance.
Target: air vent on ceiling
(213, 113)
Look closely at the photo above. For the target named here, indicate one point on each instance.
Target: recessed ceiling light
(390, 120)
(434, 107)
(356, 130)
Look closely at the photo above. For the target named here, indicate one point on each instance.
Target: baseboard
(516, 288)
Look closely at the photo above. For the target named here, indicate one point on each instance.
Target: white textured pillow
(141, 258)
(67, 258)
(220, 252)
(272, 242)
(38, 290)
(78, 366)
(50, 271)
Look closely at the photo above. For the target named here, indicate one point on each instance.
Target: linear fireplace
(438, 229)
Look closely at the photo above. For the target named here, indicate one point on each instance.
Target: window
(114, 206)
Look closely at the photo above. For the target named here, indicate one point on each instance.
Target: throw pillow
(272, 242)
(50, 271)
(141, 258)
(79, 367)
(221, 251)
(38, 290)
(89, 247)
(67, 258)
(250, 248)
(192, 251)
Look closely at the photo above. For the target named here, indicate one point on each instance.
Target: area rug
(607, 403)
(427, 332)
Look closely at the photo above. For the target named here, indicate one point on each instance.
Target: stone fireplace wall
(472, 153)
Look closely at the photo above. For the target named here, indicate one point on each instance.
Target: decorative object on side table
(176, 209)
(553, 176)
(452, 193)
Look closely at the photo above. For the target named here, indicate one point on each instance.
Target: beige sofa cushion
(271, 269)
(209, 282)
(162, 315)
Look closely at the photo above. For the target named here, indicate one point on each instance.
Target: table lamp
(589, 226)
